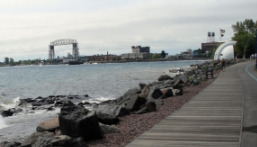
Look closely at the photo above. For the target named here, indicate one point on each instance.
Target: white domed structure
(225, 51)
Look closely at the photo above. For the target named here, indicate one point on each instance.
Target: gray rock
(167, 92)
(76, 121)
(107, 129)
(10, 112)
(164, 78)
(108, 114)
(33, 138)
(131, 100)
(10, 144)
(131, 93)
(59, 141)
(154, 93)
(49, 125)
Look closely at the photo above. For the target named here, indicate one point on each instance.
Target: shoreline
(133, 125)
(106, 62)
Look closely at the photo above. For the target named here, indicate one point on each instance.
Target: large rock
(154, 93)
(49, 125)
(44, 141)
(76, 121)
(163, 84)
(59, 141)
(164, 77)
(108, 129)
(179, 85)
(33, 138)
(131, 100)
(151, 105)
(25, 102)
(131, 93)
(10, 144)
(145, 91)
(108, 114)
(10, 112)
(167, 92)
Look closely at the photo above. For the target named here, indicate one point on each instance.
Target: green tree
(244, 36)
(163, 54)
(11, 60)
(6, 60)
(156, 56)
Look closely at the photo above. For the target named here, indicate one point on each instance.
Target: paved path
(213, 118)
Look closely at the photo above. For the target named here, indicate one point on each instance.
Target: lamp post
(256, 49)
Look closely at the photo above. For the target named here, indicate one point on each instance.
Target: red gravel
(132, 126)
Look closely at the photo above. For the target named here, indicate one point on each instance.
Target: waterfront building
(138, 52)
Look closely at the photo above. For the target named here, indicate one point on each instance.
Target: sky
(28, 26)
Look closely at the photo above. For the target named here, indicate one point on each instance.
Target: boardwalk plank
(213, 118)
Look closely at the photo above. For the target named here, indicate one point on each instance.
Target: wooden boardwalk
(211, 119)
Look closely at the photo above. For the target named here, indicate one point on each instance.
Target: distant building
(138, 52)
(187, 54)
(108, 57)
(135, 56)
(139, 49)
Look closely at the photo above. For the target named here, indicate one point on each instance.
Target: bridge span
(75, 49)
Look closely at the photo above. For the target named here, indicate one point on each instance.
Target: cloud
(27, 26)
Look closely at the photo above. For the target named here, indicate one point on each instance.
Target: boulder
(46, 141)
(176, 91)
(141, 111)
(107, 114)
(142, 85)
(179, 85)
(59, 141)
(164, 77)
(151, 105)
(167, 92)
(163, 84)
(10, 112)
(154, 93)
(25, 102)
(184, 78)
(131, 93)
(76, 121)
(28, 142)
(195, 81)
(145, 91)
(49, 125)
(107, 129)
(131, 100)
(10, 144)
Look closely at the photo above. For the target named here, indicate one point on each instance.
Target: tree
(11, 60)
(6, 60)
(163, 54)
(156, 56)
(244, 36)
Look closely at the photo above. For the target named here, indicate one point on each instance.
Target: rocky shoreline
(115, 122)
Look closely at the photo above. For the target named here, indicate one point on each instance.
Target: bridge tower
(51, 54)
(75, 51)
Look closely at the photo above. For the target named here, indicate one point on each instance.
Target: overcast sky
(28, 26)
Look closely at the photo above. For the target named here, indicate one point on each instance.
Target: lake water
(99, 81)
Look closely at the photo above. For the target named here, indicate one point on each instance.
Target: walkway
(213, 118)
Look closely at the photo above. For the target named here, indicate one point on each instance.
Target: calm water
(96, 80)
(99, 81)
